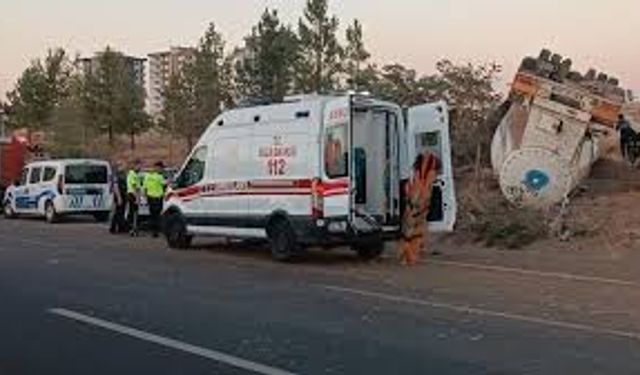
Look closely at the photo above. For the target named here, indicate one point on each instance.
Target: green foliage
(268, 67)
(198, 94)
(321, 53)
(494, 222)
(114, 101)
(356, 57)
(39, 90)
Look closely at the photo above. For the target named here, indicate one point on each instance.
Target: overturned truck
(551, 128)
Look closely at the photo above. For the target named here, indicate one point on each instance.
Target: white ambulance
(311, 171)
(56, 188)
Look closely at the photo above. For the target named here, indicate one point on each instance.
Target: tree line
(275, 60)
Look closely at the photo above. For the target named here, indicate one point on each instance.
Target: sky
(417, 33)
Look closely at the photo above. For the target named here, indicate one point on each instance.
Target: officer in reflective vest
(154, 186)
(133, 196)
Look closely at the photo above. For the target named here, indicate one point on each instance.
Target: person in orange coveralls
(418, 198)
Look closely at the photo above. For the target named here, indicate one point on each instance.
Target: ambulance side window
(193, 172)
(336, 151)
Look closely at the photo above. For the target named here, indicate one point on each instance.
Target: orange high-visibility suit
(418, 198)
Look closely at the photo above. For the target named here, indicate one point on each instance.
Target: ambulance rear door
(428, 132)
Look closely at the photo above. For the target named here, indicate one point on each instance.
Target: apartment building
(136, 65)
(162, 65)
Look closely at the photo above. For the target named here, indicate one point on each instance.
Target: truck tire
(282, 238)
(175, 231)
(369, 250)
(50, 214)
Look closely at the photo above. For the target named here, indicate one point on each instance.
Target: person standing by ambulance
(133, 196)
(154, 186)
(417, 203)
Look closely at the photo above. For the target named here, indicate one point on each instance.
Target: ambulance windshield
(336, 151)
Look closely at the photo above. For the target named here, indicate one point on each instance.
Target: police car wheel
(101, 217)
(50, 213)
(284, 247)
(176, 232)
(8, 211)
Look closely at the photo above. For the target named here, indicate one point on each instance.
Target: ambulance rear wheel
(175, 230)
(282, 238)
(50, 214)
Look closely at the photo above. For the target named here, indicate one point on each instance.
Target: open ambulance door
(336, 158)
(428, 131)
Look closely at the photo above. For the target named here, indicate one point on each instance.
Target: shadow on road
(259, 250)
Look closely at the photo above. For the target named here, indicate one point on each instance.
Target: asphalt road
(75, 300)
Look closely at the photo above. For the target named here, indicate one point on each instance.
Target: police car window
(49, 174)
(193, 172)
(86, 174)
(336, 151)
(35, 175)
(23, 177)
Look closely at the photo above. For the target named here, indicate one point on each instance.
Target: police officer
(133, 196)
(153, 187)
(118, 222)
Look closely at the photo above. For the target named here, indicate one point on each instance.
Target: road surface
(75, 300)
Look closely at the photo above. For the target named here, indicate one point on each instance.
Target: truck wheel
(9, 213)
(101, 217)
(175, 230)
(369, 250)
(50, 213)
(284, 247)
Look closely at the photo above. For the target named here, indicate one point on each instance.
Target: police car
(55, 188)
(313, 170)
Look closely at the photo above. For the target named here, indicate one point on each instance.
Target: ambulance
(312, 171)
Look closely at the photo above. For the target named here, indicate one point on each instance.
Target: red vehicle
(13, 152)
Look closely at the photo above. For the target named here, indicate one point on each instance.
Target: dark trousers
(118, 223)
(132, 213)
(155, 210)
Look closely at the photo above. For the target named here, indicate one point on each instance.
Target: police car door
(428, 131)
(21, 197)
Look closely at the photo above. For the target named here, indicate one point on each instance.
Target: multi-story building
(136, 66)
(162, 65)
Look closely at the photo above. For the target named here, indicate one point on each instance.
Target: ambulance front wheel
(175, 230)
(284, 247)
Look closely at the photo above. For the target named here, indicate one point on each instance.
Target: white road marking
(477, 311)
(171, 343)
(526, 272)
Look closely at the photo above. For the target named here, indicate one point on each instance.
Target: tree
(113, 98)
(198, 94)
(268, 69)
(320, 62)
(469, 91)
(39, 90)
(356, 57)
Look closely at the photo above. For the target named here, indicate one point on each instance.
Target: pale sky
(417, 33)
